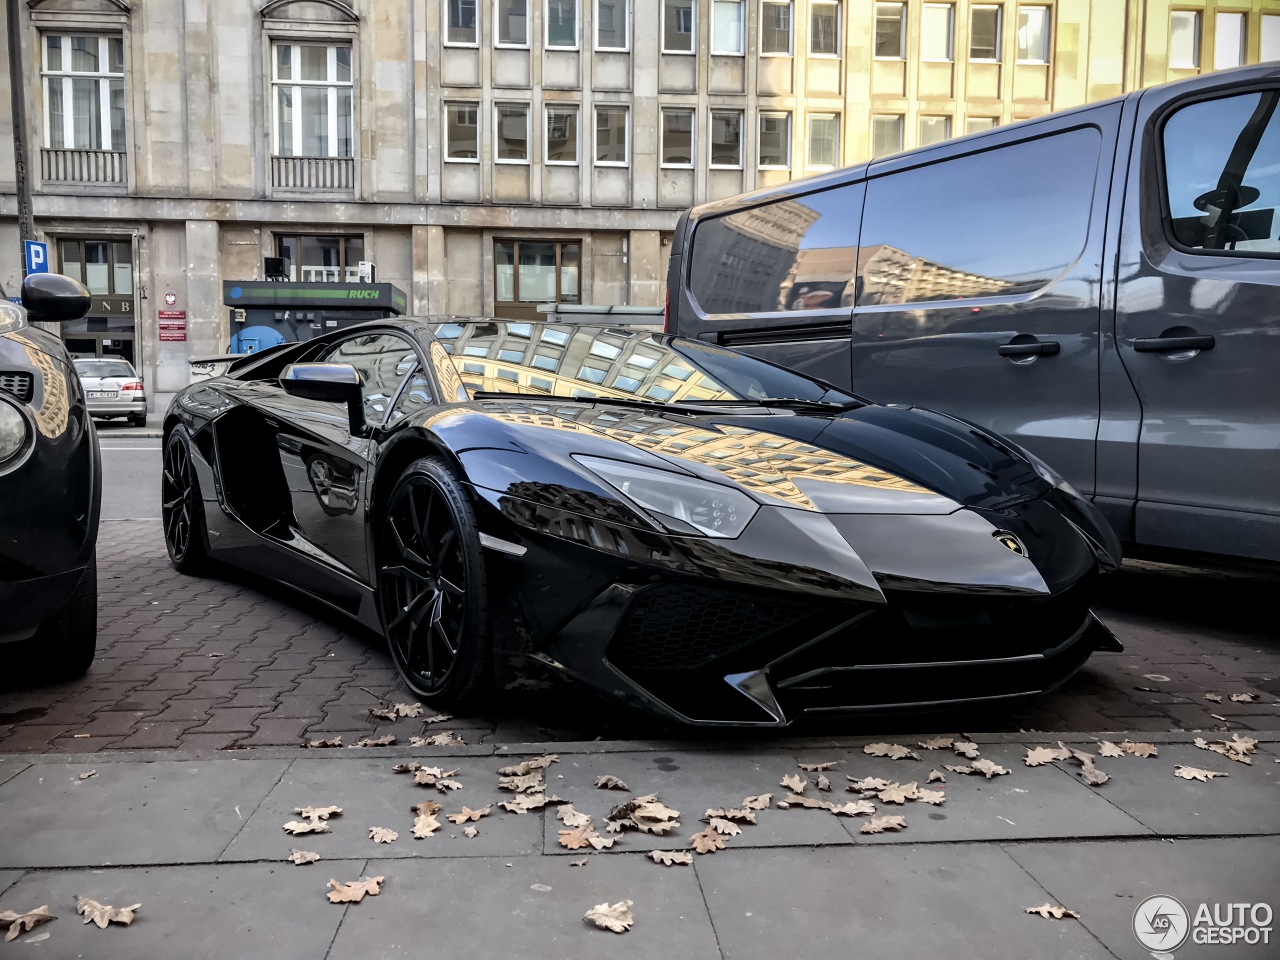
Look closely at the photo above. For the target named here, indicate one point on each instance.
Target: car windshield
(104, 368)
(565, 360)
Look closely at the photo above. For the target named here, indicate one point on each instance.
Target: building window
(104, 266)
(678, 19)
(512, 28)
(891, 30)
(677, 137)
(312, 99)
(611, 136)
(84, 92)
(462, 28)
(1184, 39)
(775, 28)
(562, 134)
(562, 24)
(1270, 37)
(978, 124)
(886, 135)
(824, 28)
(726, 139)
(612, 28)
(936, 31)
(537, 271)
(511, 132)
(462, 132)
(775, 141)
(1033, 34)
(984, 34)
(321, 259)
(1229, 35)
(824, 141)
(727, 26)
(934, 130)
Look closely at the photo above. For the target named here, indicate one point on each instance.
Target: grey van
(1101, 285)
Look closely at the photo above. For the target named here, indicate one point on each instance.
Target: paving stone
(209, 912)
(8, 878)
(275, 732)
(523, 921)
(154, 736)
(184, 709)
(79, 745)
(283, 680)
(1106, 882)
(370, 794)
(292, 707)
(169, 680)
(263, 698)
(29, 738)
(209, 741)
(230, 719)
(162, 812)
(208, 689)
(908, 901)
(10, 767)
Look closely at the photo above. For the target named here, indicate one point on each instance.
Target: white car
(112, 388)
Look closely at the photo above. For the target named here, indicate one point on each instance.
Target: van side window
(1004, 222)
(787, 255)
(1222, 174)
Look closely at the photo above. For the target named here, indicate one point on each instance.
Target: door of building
(88, 344)
(531, 272)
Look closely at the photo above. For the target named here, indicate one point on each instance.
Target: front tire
(432, 590)
(64, 647)
(182, 510)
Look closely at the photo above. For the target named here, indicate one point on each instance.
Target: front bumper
(29, 603)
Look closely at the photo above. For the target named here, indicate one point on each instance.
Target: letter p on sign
(37, 256)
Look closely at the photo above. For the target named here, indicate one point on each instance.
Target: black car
(688, 530)
(50, 490)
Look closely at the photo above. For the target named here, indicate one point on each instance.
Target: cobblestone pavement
(188, 663)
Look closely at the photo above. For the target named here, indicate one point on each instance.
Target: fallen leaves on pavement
(386, 741)
(936, 776)
(318, 813)
(881, 824)
(396, 711)
(724, 827)
(822, 783)
(353, 891)
(1237, 748)
(817, 767)
(528, 783)
(446, 739)
(966, 749)
(299, 827)
(20, 923)
(867, 784)
(527, 767)
(1108, 749)
(524, 802)
(760, 802)
(854, 808)
(469, 814)
(894, 751)
(88, 773)
(382, 835)
(1038, 756)
(1243, 698)
(335, 742)
(300, 857)
(425, 822)
(1214, 697)
(1139, 749)
(1052, 911)
(988, 768)
(610, 782)
(470, 832)
(934, 797)
(571, 817)
(101, 914)
(742, 814)
(708, 841)
(616, 917)
(794, 782)
(1195, 773)
(647, 814)
(578, 863)
(671, 857)
(936, 743)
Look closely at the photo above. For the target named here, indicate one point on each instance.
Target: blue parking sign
(37, 256)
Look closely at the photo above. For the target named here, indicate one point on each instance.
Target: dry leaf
(794, 782)
(603, 843)
(965, 749)
(1108, 749)
(469, 814)
(1219, 717)
(470, 832)
(318, 813)
(446, 739)
(646, 814)
(894, 751)
(898, 793)
(578, 837)
(725, 827)
(818, 767)
(578, 863)
(299, 827)
(386, 741)
(671, 857)
(934, 797)
(1243, 698)
(1038, 756)
(1092, 775)
(571, 817)
(353, 891)
(425, 823)
(936, 743)
(760, 802)
(529, 783)
(1195, 773)
(101, 914)
(616, 917)
(303, 856)
(85, 776)
(382, 835)
(881, 824)
(608, 782)
(523, 803)
(20, 923)
(708, 841)
(397, 710)
(528, 766)
(426, 807)
(958, 769)
(823, 783)
(1051, 912)
(988, 768)
(936, 776)
(795, 800)
(853, 808)
(1237, 748)
(744, 815)
(868, 784)
(411, 767)
(1140, 749)
(437, 718)
(335, 742)
(1215, 697)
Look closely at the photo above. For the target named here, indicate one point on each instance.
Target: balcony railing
(327, 174)
(82, 166)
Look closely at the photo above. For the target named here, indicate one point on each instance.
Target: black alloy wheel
(182, 511)
(432, 584)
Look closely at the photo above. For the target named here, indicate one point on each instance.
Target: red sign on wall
(174, 330)
(171, 315)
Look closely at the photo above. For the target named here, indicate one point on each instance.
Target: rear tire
(63, 648)
(181, 509)
(139, 421)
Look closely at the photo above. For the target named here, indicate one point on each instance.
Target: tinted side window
(383, 361)
(999, 223)
(787, 255)
(1222, 174)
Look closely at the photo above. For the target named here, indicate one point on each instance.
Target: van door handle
(1029, 348)
(1162, 344)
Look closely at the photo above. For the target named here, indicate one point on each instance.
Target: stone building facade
(490, 155)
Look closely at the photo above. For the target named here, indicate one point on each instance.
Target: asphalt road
(130, 477)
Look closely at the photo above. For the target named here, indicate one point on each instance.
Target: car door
(979, 283)
(1198, 316)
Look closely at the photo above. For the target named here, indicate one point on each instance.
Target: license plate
(103, 394)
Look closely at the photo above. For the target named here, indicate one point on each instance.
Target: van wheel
(63, 648)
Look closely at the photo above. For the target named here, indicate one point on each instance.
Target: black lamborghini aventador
(685, 529)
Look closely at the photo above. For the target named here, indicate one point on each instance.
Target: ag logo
(1010, 542)
(1161, 923)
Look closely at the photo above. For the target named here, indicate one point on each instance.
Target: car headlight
(11, 318)
(13, 431)
(683, 504)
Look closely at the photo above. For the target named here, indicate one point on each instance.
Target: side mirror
(53, 298)
(328, 383)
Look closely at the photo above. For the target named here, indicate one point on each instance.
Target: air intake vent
(20, 385)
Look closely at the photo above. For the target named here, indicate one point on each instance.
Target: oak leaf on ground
(334, 742)
(822, 783)
(881, 824)
(934, 797)
(671, 857)
(740, 814)
(578, 837)
(571, 817)
(396, 711)
(300, 857)
(1108, 749)
(20, 923)
(424, 822)
(529, 783)
(1195, 773)
(102, 914)
(818, 767)
(899, 792)
(1052, 911)
(88, 773)
(794, 782)
(1092, 775)
(610, 782)
(446, 739)
(1140, 749)
(318, 813)
(526, 767)
(1038, 756)
(854, 808)
(578, 863)
(386, 741)
(299, 827)
(382, 835)
(438, 718)
(469, 814)
(708, 841)
(760, 802)
(724, 827)
(936, 743)
(966, 749)
(1243, 698)
(868, 784)
(470, 832)
(353, 891)
(616, 917)
(524, 802)
(1213, 697)
(954, 768)
(988, 768)
(936, 776)
(894, 751)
